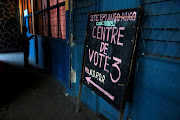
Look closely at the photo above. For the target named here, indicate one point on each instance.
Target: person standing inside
(25, 39)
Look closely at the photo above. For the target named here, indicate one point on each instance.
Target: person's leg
(26, 55)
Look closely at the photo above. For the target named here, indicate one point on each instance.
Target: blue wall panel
(155, 94)
(106, 5)
(160, 29)
(156, 90)
(53, 55)
(80, 10)
(78, 64)
(41, 51)
(106, 109)
(89, 98)
(32, 50)
(32, 53)
(58, 60)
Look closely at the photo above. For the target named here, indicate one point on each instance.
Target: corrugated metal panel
(156, 90)
(105, 5)
(155, 93)
(156, 80)
(81, 9)
(160, 30)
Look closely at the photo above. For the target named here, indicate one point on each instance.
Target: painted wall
(53, 55)
(154, 93)
(91, 99)
(80, 16)
(9, 26)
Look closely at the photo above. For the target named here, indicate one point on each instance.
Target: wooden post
(131, 64)
(82, 76)
(32, 8)
(79, 96)
(66, 4)
(20, 15)
(121, 114)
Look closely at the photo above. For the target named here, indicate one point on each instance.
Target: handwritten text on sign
(110, 42)
(103, 35)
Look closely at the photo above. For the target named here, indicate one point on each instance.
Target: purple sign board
(109, 50)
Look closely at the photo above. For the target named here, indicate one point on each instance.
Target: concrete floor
(34, 95)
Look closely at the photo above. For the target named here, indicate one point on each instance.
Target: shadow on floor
(14, 80)
(32, 94)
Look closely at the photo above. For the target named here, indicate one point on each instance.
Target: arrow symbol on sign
(98, 87)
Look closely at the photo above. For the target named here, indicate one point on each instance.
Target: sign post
(108, 54)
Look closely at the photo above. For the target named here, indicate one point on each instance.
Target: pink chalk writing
(104, 33)
(122, 17)
(98, 87)
(114, 34)
(87, 70)
(103, 47)
(120, 35)
(94, 17)
(108, 28)
(118, 61)
(106, 63)
(101, 56)
(93, 32)
(100, 77)
(91, 55)
(96, 61)
(98, 32)
(94, 57)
